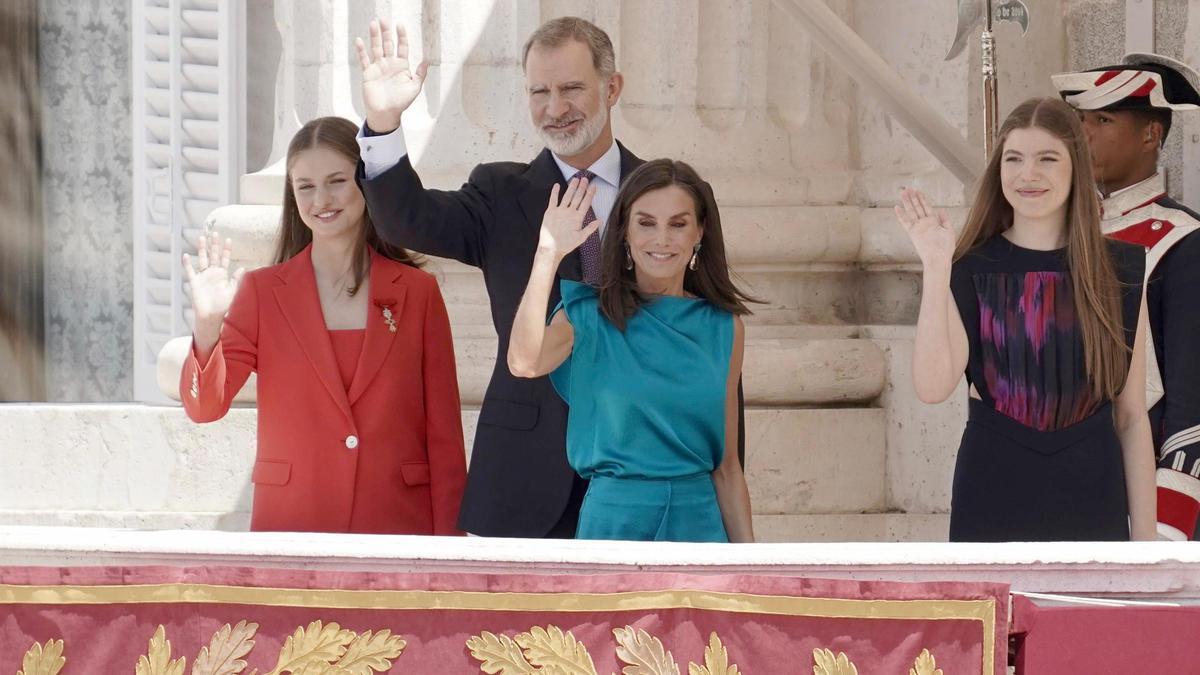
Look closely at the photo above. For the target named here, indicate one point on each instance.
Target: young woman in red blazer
(359, 426)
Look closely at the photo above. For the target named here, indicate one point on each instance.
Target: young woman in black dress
(1047, 320)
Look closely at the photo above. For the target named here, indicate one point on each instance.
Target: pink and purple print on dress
(1031, 348)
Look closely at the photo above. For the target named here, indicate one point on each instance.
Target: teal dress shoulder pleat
(646, 424)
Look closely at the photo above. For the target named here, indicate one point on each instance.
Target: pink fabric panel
(110, 637)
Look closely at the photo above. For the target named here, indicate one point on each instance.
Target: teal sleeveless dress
(646, 424)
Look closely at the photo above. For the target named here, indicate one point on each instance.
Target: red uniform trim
(1177, 510)
(1143, 233)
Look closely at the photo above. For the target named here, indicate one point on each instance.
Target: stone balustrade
(814, 474)
(1166, 572)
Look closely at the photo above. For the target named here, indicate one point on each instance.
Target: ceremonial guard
(1126, 111)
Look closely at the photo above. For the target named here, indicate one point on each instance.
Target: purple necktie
(589, 252)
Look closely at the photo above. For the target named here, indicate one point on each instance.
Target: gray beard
(567, 146)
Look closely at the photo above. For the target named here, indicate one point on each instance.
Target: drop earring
(695, 257)
(628, 257)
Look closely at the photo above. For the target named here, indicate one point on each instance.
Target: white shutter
(187, 154)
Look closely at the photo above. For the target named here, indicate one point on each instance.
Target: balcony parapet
(1161, 571)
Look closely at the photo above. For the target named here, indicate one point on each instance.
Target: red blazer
(385, 457)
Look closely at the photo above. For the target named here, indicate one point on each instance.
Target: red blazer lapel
(388, 291)
(301, 306)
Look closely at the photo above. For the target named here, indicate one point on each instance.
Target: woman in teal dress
(648, 362)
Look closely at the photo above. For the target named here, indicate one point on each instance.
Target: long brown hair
(619, 295)
(337, 134)
(1093, 273)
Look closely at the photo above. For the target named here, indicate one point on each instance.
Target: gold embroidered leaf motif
(158, 660)
(716, 660)
(498, 654)
(318, 668)
(318, 644)
(643, 652)
(556, 652)
(223, 655)
(925, 665)
(825, 663)
(44, 659)
(371, 653)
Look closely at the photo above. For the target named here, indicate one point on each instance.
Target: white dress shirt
(380, 153)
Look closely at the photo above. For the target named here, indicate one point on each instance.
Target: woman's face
(1036, 173)
(663, 231)
(330, 203)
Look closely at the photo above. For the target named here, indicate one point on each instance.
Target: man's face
(1117, 140)
(568, 100)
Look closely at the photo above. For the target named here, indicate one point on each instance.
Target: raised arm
(940, 350)
(535, 349)
(448, 224)
(390, 84)
(225, 339)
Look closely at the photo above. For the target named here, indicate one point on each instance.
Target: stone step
(732, 187)
(819, 265)
(140, 459)
(779, 368)
(835, 527)
(812, 295)
(850, 527)
(754, 235)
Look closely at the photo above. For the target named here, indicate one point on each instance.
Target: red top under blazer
(384, 457)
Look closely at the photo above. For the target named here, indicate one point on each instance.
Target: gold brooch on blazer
(386, 305)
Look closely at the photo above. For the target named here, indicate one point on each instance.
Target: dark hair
(337, 134)
(556, 32)
(619, 295)
(1091, 266)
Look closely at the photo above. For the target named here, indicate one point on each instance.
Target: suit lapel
(301, 307)
(542, 175)
(387, 290)
(629, 161)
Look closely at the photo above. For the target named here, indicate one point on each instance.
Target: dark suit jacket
(519, 480)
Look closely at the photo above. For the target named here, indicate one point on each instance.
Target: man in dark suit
(519, 483)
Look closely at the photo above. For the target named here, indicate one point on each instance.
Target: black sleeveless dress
(1040, 459)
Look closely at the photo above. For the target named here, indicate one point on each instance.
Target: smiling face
(1036, 174)
(663, 233)
(568, 99)
(328, 199)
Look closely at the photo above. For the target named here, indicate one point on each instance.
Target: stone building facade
(805, 162)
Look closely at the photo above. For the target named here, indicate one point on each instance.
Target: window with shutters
(187, 155)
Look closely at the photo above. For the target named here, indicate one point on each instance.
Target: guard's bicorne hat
(1141, 82)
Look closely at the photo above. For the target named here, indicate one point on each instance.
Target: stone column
(317, 76)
